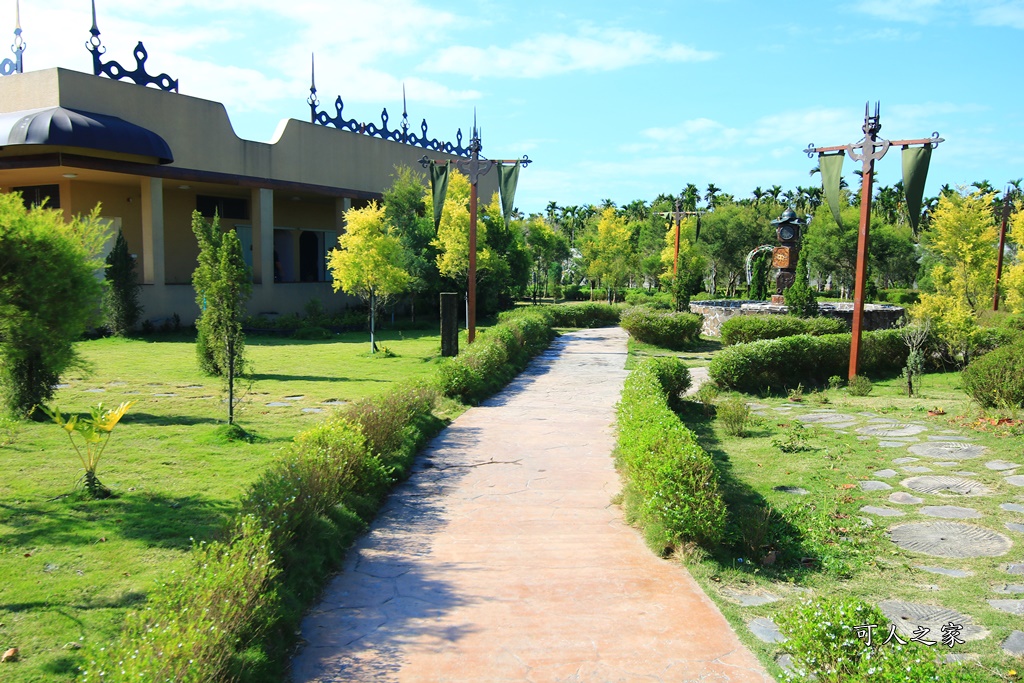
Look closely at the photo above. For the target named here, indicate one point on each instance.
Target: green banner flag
(696, 233)
(439, 188)
(915, 170)
(508, 178)
(831, 167)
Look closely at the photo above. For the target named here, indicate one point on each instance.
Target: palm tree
(689, 197)
(551, 210)
(758, 194)
(637, 210)
(709, 196)
(774, 193)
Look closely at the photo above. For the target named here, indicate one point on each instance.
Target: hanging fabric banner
(439, 188)
(831, 167)
(915, 170)
(696, 234)
(508, 178)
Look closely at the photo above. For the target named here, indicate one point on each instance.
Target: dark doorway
(309, 257)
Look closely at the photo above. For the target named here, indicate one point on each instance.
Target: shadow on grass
(753, 529)
(310, 378)
(154, 519)
(167, 420)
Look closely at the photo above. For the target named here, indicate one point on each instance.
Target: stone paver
(505, 560)
(904, 498)
(944, 485)
(950, 539)
(947, 450)
(909, 615)
(766, 630)
(874, 486)
(1014, 644)
(882, 511)
(949, 512)
(1001, 465)
(955, 573)
(1012, 507)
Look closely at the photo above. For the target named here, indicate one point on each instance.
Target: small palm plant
(91, 429)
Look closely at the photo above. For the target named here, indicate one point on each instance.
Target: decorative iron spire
(312, 101)
(115, 71)
(15, 66)
(405, 117)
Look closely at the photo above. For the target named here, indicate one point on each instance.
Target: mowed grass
(849, 557)
(71, 567)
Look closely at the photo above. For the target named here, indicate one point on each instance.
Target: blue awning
(61, 127)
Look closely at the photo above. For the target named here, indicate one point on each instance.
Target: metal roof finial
(15, 66)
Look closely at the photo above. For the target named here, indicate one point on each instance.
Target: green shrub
(800, 297)
(121, 306)
(900, 297)
(742, 329)
(666, 329)
(734, 416)
(650, 298)
(674, 377)
(997, 378)
(671, 489)
(859, 386)
(823, 637)
(777, 364)
(49, 295)
(192, 626)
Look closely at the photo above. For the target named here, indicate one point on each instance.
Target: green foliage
(776, 364)
(741, 329)
(674, 377)
(497, 355)
(91, 430)
(899, 297)
(859, 386)
(822, 636)
(121, 306)
(997, 378)
(608, 251)
(671, 488)
(759, 277)
(193, 625)
(666, 329)
(651, 299)
(800, 297)
(223, 284)
(49, 295)
(734, 415)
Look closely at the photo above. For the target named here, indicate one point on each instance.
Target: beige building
(151, 157)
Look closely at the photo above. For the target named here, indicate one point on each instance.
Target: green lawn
(848, 556)
(70, 568)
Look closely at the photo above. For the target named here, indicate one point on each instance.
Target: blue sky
(611, 100)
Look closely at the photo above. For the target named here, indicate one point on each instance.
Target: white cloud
(592, 49)
(917, 11)
(1009, 14)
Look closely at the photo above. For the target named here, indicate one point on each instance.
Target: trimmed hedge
(776, 364)
(996, 380)
(671, 484)
(662, 328)
(742, 329)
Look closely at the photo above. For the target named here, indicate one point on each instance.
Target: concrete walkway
(502, 558)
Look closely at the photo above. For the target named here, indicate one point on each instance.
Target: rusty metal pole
(861, 277)
(1002, 245)
(471, 284)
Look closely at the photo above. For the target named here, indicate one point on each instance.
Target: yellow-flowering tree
(1012, 282)
(452, 240)
(609, 252)
(369, 261)
(691, 268)
(962, 239)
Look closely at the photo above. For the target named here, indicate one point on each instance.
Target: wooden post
(862, 261)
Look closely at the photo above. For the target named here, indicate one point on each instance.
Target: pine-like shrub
(671, 484)
(669, 330)
(799, 296)
(121, 306)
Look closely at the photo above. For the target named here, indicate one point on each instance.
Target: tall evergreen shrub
(121, 306)
(800, 297)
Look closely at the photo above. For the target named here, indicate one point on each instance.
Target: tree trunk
(373, 320)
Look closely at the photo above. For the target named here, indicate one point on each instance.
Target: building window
(35, 195)
(231, 208)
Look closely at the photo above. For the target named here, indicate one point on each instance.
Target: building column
(153, 231)
(341, 205)
(262, 202)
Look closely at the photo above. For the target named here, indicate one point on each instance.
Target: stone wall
(876, 316)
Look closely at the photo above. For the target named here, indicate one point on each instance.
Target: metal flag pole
(872, 148)
(475, 168)
(1002, 245)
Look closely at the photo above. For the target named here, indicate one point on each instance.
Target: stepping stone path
(949, 512)
(334, 402)
(1015, 568)
(1000, 465)
(941, 450)
(914, 469)
(1016, 480)
(1019, 528)
(278, 404)
(886, 474)
(1014, 644)
(904, 498)
(1009, 589)
(795, 490)
(1009, 606)
(312, 410)
(950, 539)
(904, 461)
(874, 486)
(826, 418)
(1012, 507)
(948, 438)
(749, 599)
(882, 512)
(766, 630)
(891, 430)
(908, 616)
(955, 573)
(943, 486)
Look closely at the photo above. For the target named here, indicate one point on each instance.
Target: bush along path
(502, 557)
